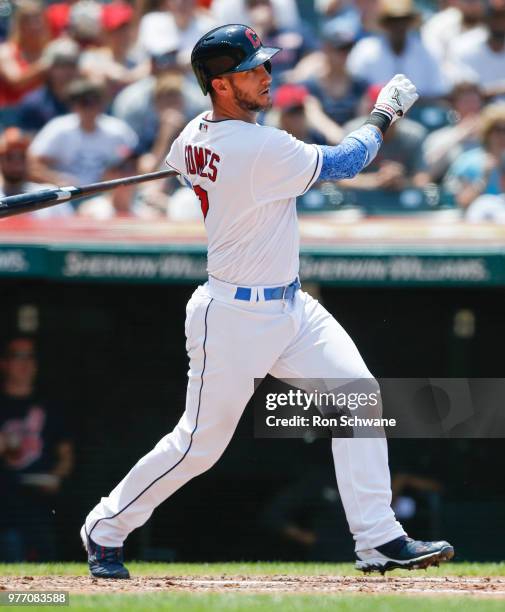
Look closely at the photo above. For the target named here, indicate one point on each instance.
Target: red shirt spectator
(22, 67)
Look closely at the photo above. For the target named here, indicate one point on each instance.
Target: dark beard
(246, 103)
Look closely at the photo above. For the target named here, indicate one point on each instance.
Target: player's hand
(396, 97)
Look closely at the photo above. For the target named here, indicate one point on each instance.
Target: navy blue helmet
(227, 49)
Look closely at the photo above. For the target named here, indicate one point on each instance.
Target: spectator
(295, 42)
(36, 455)
(50, 101)
(476, 172)
(301, 115)
(121, 201)
(14, 173)
(489, 207)
(399, 163)
(77, 148)
(58, 17)
(326, 76)
(85, 23)
(113, 64)
(22, 65)
(444, 145)
(180, 23)
(483, 52)
(169, 105)
(224, 11)
(359, 16)
(399, 49)
(135, 104)
(447, 25)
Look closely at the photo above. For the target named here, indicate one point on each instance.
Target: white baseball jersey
(247, 177)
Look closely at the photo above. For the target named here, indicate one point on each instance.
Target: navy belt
(287, 292)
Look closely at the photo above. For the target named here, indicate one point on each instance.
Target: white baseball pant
(229, 343)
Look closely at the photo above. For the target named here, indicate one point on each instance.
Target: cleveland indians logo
(253, 37)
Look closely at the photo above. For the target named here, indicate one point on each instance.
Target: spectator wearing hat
(359, 16)
(113, 63)
(443, 146)
(295, 42)
(301, 115)
(483, 52)
(136, 106)
(399, 49)
(176, 20)
(77, 148)
(14, 172)
(50, 100)
(58, 17)
(400, 163)
(22, 64)
(85, 23)
(326, 76)
(477, 172)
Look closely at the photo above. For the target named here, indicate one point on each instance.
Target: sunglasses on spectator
(499, 128)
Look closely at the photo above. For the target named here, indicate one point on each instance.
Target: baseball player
(251, 318)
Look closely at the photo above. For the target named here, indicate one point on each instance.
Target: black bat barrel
(27, 202)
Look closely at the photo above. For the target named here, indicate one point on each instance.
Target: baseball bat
(28, 202)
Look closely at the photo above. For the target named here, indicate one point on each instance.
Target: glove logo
(395, 95)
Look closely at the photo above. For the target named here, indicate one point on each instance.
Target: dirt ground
(416, 585)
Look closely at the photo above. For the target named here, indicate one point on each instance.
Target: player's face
(251, 89)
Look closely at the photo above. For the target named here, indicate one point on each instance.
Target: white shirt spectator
(487, 207)
(84, 155)
(285, 11)
(101, 208)
(471, 51)
(159, 26)
(373, 61)
(442, 29)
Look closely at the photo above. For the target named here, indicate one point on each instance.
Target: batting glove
(395, 98)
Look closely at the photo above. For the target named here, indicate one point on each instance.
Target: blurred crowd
(99, 90)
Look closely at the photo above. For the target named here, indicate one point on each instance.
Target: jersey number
(204, 199)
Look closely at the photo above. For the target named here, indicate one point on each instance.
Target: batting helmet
(229, 48)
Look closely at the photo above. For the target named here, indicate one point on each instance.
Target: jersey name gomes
(201, 161)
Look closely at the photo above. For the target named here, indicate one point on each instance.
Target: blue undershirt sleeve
(353, 154)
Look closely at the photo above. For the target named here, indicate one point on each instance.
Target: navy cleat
(403, 553)
(104, 561)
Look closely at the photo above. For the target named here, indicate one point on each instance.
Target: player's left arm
(360, 147)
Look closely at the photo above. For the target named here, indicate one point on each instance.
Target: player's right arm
(360, 147)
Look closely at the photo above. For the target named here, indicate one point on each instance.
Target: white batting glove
(395, 98)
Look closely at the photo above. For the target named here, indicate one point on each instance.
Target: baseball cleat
(403, 553)
(104, 561)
